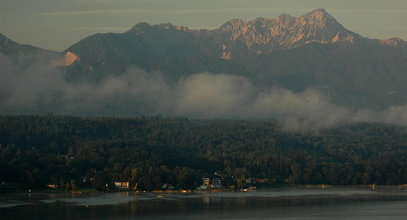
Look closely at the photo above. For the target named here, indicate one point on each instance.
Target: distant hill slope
(22, 54)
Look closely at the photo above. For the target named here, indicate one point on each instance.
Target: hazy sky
(57, 24)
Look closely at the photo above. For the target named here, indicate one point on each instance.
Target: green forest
(150, 152)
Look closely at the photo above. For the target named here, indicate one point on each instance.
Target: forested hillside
(41, 150)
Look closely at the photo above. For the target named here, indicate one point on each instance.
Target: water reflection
(291, 203)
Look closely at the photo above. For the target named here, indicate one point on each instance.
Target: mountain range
(310, 51)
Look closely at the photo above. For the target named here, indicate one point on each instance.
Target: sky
(57, 24)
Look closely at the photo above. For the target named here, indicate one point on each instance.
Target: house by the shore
(122, 184)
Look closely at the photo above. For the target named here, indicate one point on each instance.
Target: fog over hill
(309, 72)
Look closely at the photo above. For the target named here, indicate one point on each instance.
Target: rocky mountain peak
(143, 27)
(318, 14)
(322, 19)
(263, 35)
(394, 42)
(169, 26)
(140, 28)
(233, 24)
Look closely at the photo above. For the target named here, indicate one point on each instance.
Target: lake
(280, 203)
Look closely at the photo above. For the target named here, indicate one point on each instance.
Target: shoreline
(372, 187)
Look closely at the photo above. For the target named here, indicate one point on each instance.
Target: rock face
(394, 42)
(263, 35)
(70, 58)
(238, 38)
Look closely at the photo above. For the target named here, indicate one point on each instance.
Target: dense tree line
(151, 152)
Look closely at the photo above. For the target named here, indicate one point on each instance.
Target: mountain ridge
(310, 51)
(264, 35)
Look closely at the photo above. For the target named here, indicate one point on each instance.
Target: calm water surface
(285, 203)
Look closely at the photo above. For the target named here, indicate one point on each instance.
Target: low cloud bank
(40, 89)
